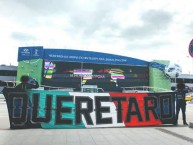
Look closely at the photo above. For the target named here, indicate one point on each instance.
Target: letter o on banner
(191, 48)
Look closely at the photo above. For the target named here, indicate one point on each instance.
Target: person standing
(28, 83)
(181, 102)
(25, 84)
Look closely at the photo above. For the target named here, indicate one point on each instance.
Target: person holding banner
(26, 83)
(181, 102)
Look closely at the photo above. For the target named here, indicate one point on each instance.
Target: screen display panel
(108, 77)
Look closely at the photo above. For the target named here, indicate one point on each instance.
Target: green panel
(157, 78)
(33, 68)
(41, 112)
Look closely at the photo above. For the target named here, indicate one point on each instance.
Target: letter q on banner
(191, 48)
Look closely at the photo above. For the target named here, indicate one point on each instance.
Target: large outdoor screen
(108, 77)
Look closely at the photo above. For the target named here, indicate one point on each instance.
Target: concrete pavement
(159, 135)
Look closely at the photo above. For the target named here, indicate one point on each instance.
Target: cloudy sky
(143, 29)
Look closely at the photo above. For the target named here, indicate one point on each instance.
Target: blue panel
(157, 65)
(26, 53)
(90, 57)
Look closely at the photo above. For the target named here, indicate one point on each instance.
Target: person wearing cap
(28, 83)
(25, 84)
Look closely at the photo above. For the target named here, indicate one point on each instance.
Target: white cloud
(143, 29)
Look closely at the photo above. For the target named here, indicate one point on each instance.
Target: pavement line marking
(176, 135)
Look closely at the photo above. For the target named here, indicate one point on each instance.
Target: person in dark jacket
(25, 84)
(181, 102)
(28, 83)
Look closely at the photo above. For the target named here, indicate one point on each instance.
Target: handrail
(125, 89)
(143, 89)
(58, 88)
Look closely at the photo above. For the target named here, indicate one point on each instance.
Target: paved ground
(162, 135)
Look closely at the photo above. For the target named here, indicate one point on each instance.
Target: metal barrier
(137, 89)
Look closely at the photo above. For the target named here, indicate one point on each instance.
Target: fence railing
(136, 89)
